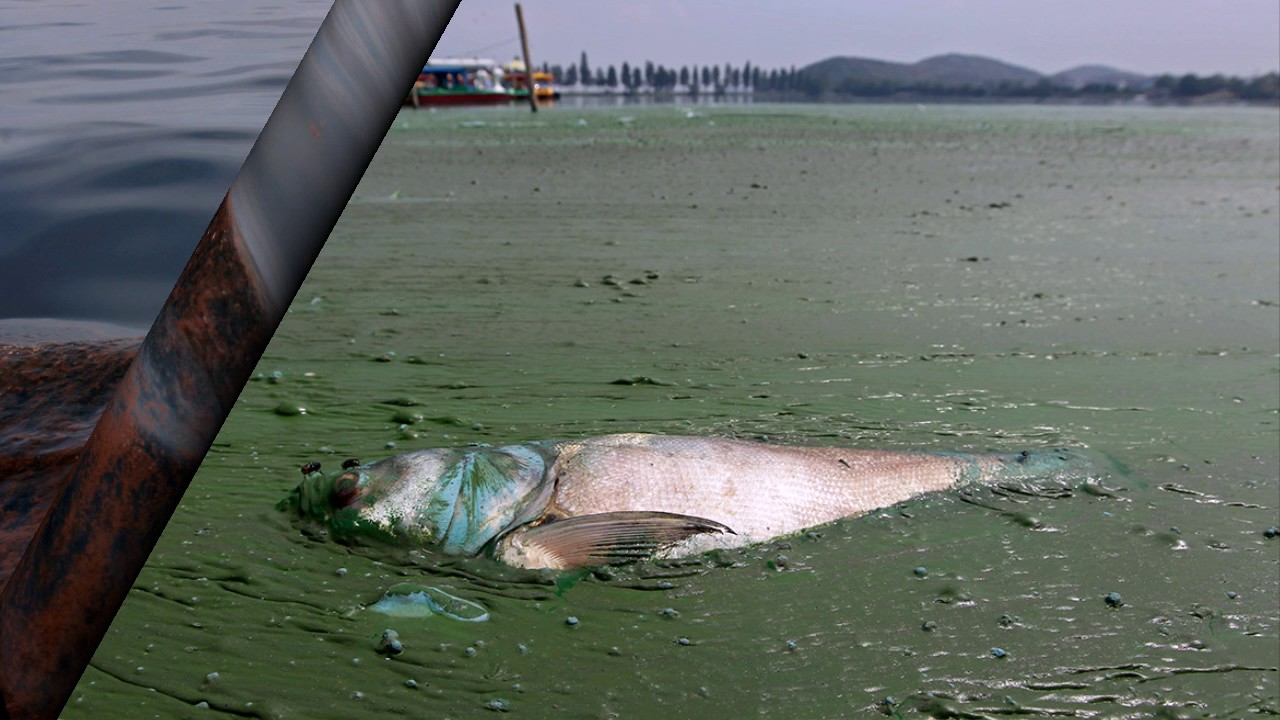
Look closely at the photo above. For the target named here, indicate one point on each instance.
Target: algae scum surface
(978, 278)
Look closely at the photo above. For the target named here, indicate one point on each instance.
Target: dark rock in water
(1113, 599)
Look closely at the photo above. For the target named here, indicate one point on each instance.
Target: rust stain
(102, 525)
(51, 395)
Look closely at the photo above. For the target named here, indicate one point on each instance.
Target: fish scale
(759, 491)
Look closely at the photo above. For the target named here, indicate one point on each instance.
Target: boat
(518, 81)
(461, 81)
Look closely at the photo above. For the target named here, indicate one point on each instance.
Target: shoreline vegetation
(950, 78)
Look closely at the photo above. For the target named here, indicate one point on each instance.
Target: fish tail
(1054, 464)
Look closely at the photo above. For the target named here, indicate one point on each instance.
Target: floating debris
(409, 600)
(407, 417)
(389, 643)
(288, 409)
(1113, 599)
(641, 380)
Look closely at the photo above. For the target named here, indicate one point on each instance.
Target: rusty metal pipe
(212, 331)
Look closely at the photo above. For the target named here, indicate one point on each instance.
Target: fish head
(453, 500)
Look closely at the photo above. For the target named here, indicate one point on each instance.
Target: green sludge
(958, 278)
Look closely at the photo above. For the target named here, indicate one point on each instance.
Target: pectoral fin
(599, 539)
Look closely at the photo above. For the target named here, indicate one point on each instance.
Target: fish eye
(346, 490)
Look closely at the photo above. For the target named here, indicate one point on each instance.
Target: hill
(952, 69)
(971, 70)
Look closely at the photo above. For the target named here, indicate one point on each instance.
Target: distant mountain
(963, 70)
(971, 70)
(1078, 77)
(833, 70)
(953, 69)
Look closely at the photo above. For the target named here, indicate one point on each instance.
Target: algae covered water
(945, 278)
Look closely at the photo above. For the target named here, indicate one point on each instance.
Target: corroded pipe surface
(114, 504)
(106, 517)
(51, 395)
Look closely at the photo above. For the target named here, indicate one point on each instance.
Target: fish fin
(600, 539)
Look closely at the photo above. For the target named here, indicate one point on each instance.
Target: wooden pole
(528, 64)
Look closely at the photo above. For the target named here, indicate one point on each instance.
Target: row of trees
(790, 82)
(660, 78)
(1263, 87)
(1166, 87)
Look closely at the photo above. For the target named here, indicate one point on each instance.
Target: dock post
(528, 64)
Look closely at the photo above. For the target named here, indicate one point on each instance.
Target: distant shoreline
(604, 96)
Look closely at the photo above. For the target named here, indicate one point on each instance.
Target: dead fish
(617, 498)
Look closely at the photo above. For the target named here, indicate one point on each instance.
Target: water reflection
(123, 127)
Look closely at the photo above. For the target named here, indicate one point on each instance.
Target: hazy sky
(1236, 37)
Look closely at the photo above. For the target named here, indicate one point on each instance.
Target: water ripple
(122, 129)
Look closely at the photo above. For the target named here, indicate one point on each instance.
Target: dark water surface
(957, 278)
(123, 123)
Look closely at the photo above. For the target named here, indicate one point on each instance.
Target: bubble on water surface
(409, 600)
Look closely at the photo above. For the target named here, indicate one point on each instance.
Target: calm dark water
(123, 124)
